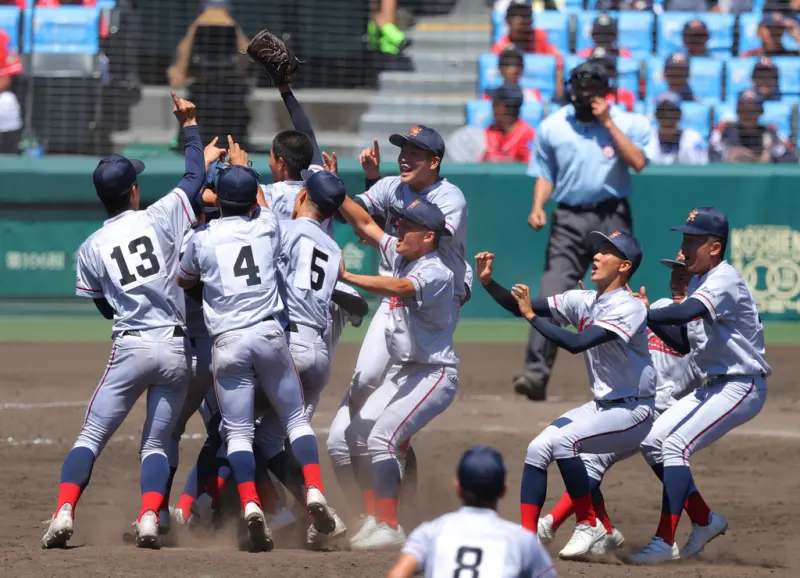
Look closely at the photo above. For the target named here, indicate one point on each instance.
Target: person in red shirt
(508, 139)
(10, 111)
(617, 94)
(512, 64)
(604, 34)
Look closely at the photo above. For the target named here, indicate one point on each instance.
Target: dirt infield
(752, 478)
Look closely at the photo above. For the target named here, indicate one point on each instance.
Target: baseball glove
(273, 55)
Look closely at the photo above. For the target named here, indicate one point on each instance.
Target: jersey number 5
(245, 266)
(143, 247)
(317, 270)
(468, 560)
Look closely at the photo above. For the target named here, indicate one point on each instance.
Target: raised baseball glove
(274, 56)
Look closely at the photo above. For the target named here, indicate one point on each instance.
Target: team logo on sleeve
(692, 215)
(609, 152)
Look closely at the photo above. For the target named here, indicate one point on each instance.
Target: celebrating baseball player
(728, 347)
(423, 313)
(612, 335)
(474, 541)
(128, 268)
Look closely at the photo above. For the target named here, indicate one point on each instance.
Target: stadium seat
(789, 74)
(9, 22)
(65, 30)
(720, 31)
(694, 115)
(532, 113)
(748, 33)
(106, 4)
(627, 71)
(540, 73)
(738, 72)
(775, 113)
(705, 77)
(635, 31)
(555, 23)
(488, 73)
(479, 113)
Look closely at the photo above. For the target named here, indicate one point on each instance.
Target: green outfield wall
(49, 208)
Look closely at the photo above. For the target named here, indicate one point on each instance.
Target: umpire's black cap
(237, 184)
(115, 174)
(482, 474)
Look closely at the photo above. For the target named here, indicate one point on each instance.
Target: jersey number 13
(135, 261)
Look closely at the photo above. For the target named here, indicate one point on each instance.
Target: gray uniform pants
(569, 255)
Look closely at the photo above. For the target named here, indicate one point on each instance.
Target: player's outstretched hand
(342, 269)
(484, 262)
(523, 296)
(370, 159)
(184, 110)
(213, 153)
(330, 162)
(641, 295)
(237, 155)
(537, 219)
(581, 285)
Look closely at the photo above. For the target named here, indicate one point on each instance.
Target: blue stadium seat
(705, 77)
(9, 22)
(540, 73)
(555, 23)
(479, 113)
(106, 4)
(635, 31)
(488, 73)
(627, 71)
(573, 5)
(789, 74)
(532, 113)
(694, 115)
(720, 31)
(777, 113)
(65, 30)
(748, 33)
(738, 72)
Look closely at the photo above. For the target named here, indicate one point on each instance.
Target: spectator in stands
(604, 34)
(695, 38)
(617, 94)
(512, 64)
(770, 31)
(766, 79)
(382, 30)
(614, 5)
(746, 140)
(509, 138)
(676, 73)
(669, 144)
(10, 112)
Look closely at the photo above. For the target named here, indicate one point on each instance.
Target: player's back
(478, 542)
(132, 262)
(309, 264)
(236, 258)
(281, 197)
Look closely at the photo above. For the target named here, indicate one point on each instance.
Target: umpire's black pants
(569, 255)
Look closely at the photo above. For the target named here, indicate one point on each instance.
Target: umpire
(581, 156)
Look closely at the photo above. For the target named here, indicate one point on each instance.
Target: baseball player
(235, 257)
(612, 334)
(127, 267)
(421, 153)
(728, 347)
(676, 376)
(475, 541)
(423, 314)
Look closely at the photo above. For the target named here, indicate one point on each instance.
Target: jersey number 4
(143, 247)
(245, 266)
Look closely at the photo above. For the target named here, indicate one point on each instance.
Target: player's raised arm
(300, 121)
(484, 264)
(361, 221)
(195, 172)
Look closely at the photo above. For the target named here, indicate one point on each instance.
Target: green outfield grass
(66, 327)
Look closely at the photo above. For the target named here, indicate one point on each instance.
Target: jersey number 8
(468, 560)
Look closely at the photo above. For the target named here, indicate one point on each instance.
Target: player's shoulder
(554, 121)
(658, 304)
(433, 264)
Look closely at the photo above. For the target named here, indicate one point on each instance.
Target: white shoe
(257, 529)
(655, 552)
(60, 528)
(617, 539)
(315, 540)
(382, 538)
(545, 530)
(583, 539)
(702, 535)
(147, 531)
(368, 526)
(320, 511)
(176, 514)
(281, 519)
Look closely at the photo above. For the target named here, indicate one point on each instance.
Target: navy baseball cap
(695, 26)
(669, 97)
(426, 214)
(679, 262)
(423, 137)
(604, 24)
(115, 174)
(482, 474)
(749, 96)
(325, 189)
(677, 59)
(237, 184)
(705, 221)
(625, 243)
(509, 94)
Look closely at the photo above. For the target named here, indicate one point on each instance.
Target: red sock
(68, 494)
(387, 511)
(267, 495)
(602, 515)
(667, 526)
(248, 493)
(151, 501)
(561, 511)
(214, 488)
(584, 512)
(185, 505)
(369, 502)
(313, 477)
(698, 510)
(529, 515)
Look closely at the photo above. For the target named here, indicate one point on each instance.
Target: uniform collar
(310, 220)
(474, 510)
(608, 296)
(117, 217)
(703, 277)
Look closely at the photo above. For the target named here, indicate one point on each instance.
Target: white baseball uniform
(132, 261)
(621, 376)
(474, 542)
(728, 347)
(236, 259)
(281, 197)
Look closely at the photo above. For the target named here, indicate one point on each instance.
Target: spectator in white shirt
(670, 144)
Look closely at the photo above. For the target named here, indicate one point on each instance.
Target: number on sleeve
(317, 270)
(245, 266)
(143, 248)
(468, 561)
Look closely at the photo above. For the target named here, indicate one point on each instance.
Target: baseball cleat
(533, 389)
(545, 530)
(617, 539)
(60, 529)
(583, 540)
(702, 535)
(146, 533)
(257, 529)
(384, 537)
(368, 525)
(612, 542)
(177, 515)
(655, 552)
(318, 541)
(320, 512)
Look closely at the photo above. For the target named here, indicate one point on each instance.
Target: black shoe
(532, 388)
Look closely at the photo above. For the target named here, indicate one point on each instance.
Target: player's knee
(381, 446)
(539, 453)
(651, 450)
(93, 437)
(151, 451)
(298, 426)
(564, 447)
(239, 445)
(675, 451)
(594, 468)
(355, 437)
(89, 445)
(337, 448)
